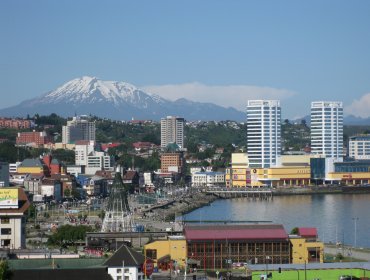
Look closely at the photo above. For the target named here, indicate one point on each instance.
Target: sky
(224, 52)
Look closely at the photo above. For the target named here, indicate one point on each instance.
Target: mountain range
(118, 101)
(123, 101)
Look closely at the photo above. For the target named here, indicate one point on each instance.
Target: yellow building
(165, 253)
(306, 248)
(349, 178)
(238, 176)
(32, 166)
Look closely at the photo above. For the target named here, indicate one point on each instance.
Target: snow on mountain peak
(91, 89)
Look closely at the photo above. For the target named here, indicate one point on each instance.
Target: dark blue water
(334, 216)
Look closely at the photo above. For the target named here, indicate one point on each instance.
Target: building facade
(207, 179)
(172, 162)
(359, 147)
(79, 128)
(35, 138)
(263, 132)
(4, 174)
(172, 131)
(14, 204)
(327, 128)
(16, 123)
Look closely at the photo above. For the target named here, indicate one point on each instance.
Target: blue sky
(224, 52)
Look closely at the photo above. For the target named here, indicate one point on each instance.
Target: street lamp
(267, 263)
(355, 220)
(305, 265)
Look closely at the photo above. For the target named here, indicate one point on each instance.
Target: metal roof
(236, 232)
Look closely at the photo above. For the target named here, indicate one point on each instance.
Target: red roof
(109, 145)
(236, 232)
(307, 232)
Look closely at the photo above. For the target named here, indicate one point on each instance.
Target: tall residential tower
(79, 128)
(327, 128)
(263, 132)
(172, 131)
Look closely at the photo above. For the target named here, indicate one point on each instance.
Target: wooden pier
(255, 194)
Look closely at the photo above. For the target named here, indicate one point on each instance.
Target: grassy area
(322, 274)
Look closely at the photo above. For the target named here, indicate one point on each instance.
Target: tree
(67, 192)
(294, 230)
(5, 272)
(68, 235)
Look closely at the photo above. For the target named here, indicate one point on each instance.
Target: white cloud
(359, 108)
(228, 96)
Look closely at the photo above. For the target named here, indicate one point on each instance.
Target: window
(151, 253)
(5, 220)
(119, 270)
(6, 231)
(5, 242)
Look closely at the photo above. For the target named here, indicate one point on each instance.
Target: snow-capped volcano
(91, 90)
(115, 100)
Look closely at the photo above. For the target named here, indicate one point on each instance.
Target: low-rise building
(16, 123)
(306, 248)
(166, 254)
(33, 166)
(359, 147)
(127, 264)
(208, 179)
(13, 205)
(51, 189)
(32, 184)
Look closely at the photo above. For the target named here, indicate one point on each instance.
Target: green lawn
(322, 274)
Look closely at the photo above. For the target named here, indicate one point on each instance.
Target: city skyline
(293, 52)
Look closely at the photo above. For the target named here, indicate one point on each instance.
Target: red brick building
(34, 137)
(15, 123)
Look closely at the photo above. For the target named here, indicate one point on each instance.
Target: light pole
(267, 263)
(355, 220)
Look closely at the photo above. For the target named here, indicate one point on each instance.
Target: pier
(260, 193)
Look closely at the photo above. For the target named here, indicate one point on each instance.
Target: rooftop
(130, 257)
(236, 232)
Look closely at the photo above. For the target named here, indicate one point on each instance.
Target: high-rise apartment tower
(263, 132)
(327, 128)
(79, 128)
(172, 131)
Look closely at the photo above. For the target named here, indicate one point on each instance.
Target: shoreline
(194, 200)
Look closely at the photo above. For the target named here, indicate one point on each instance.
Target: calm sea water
(334, 216)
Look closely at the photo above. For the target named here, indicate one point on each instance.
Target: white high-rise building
(327, 128)
(359, 147)
(172, 131)
(79, 128)
(263, 132)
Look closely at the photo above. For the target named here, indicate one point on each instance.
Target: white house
(127, 264)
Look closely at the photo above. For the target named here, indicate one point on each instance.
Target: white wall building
(13, 167)
(126, 264)
(82, 151)
(12, 221)
(79, 128)
(327, 128)
(359, 147)
(99, 161)
(207, 179)
(172, 131)
(263, 132)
